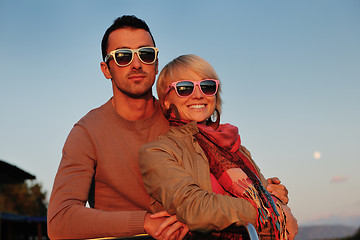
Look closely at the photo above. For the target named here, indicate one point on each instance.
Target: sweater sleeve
(68, 216)
(170, 184)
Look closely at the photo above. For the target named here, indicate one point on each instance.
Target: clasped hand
(164, 226)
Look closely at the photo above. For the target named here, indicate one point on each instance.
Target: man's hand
(277, 189)
(164, 226)
(291, 223)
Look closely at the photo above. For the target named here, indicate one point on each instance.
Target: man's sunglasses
(123, 57)
(186, 88)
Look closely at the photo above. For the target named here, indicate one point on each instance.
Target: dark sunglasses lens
(185, 88)
(208, 87)
(123, 57)
(147, 55)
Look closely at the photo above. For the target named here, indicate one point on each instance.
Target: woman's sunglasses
(186, 88)
(123, 57)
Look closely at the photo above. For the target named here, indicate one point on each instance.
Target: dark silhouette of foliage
(26, 199)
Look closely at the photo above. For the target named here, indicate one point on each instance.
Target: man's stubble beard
(136, 95)
(146, 90)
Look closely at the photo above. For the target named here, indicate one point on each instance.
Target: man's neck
(134, 109)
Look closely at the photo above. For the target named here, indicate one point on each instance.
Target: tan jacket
(176, 173)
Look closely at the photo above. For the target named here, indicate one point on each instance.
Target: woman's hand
(170, 228)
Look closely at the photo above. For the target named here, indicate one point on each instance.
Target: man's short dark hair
(122, 22)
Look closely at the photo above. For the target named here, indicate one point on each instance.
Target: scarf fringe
(265, 214)
(221, 158)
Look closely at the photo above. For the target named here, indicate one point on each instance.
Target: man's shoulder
(94, 116)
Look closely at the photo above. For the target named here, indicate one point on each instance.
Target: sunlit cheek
(212, 104)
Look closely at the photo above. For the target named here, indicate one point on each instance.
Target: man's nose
(136, 63)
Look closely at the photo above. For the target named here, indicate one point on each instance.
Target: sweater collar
(110, 112)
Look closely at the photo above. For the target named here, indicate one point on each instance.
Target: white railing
(250, 229)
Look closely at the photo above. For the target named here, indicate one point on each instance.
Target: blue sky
(290, 73)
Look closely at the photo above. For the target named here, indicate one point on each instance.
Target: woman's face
(197, 107)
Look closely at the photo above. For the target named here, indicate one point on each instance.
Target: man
(100, 156)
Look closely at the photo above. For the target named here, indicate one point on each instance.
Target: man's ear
(105, 69)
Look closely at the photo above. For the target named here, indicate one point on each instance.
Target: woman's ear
(166, 103)
(105, 69)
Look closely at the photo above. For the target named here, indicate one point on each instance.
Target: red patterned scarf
(236, 174)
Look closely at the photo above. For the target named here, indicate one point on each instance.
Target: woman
(198, 170)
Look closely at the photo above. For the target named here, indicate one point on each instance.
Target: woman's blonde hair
(182, 63)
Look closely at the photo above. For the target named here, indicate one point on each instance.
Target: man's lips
(137, 76)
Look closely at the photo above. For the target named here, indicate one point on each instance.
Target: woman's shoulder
(161, 142)
(157, 151)
(175, 138)
(188, 129)
(245, 151)
(176, 133)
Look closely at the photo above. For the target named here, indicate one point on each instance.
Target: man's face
(136, 79)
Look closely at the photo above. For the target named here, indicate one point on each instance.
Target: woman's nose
(197, 93)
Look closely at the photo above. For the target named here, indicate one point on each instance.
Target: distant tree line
(26, 199)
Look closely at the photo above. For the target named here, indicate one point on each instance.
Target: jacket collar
(186, 130)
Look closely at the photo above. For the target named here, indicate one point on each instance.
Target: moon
(317, 155)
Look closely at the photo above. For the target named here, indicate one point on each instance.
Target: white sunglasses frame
(133, 51)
